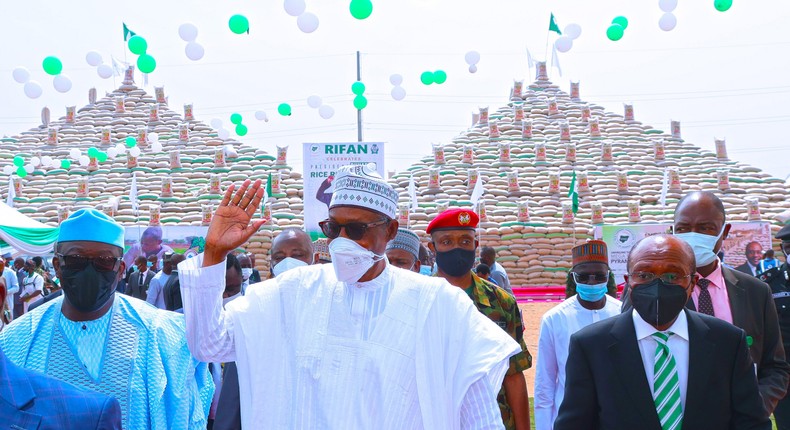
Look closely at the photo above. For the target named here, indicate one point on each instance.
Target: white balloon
(294, 7)
(93, 58)
(120, 148)
(307, 22)
(194, 51)
(261, 116)
(216, 123)
(667, 22)
(153, 137)
(112, 152)
(472, 57)
(398, 93)
(74, 153)
(21, 75)
(46, 161)
(564, 44)
(35, 161)
(8, 170)
(473, 68)
(326, 111)
(29, 168)
(135, 151)
(156, 147)
(667, 5)
(396, 79)
(188, 32)
(84, 160)
(33, 89)
(314, 101)
(223, 133)
(104, 71)
(573, 31)
(62, 83)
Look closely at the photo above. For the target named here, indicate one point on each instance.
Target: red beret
(454, 219)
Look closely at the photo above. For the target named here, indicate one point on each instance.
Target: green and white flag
(267, 192)
(127, 33)
(573, 194)
(553, 25)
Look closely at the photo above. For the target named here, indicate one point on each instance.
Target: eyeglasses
(587, 278)
(645, 277)
(354, 230)
(79, 262)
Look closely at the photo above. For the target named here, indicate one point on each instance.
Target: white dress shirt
(154, 295)
(678, 344)
(556, 328)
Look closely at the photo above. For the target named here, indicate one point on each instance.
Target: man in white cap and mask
(111, 343)
(355, 344)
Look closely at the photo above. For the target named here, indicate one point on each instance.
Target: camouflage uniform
(501, 308)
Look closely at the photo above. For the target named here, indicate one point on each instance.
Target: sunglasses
(597, 278)
(354, 230)
(79, 262)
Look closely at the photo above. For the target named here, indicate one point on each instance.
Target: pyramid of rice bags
(183, 182)
(526, 153)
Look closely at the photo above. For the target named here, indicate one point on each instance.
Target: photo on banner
(746, 244)
(321, 161)
(621, 238)
(157, 240)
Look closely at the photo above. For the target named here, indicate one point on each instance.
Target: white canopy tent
(24, 233)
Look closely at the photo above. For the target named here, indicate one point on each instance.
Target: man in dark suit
(660, 366)
(139, 280)
(754, 253)
(31, 400)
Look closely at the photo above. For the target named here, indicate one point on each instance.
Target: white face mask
(246, 272)
(351, 260)
(287, 264)
(702, 244)
(227, 300)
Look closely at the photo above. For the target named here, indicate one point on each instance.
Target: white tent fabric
(24, 233)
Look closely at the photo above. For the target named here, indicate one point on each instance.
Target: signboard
(321, 161)
(621, 238)
(157, 240)
(755, 235)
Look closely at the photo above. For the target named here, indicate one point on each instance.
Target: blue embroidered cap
(92, 226)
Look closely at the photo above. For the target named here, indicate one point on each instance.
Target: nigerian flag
(573, 194)
(267, 192)
(553, 25)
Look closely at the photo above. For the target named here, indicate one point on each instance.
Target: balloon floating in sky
(722, 5)
(19, 161)
(194, 51)
(93, 58)
(360, 102)
(314, 101)
(65, 164)
(473, 68)
(307, 22)
(21, 75)
(396, 79)
(187, 32)
(439, 77)
(146, 63)
(131, 142)
(236, 118)
(62, 83)
(667, 22)
(261, 116)
(361, 9)
(472, 57)
(614, 32)
(52, 65)
(104, 71)
(241, 129)
(573, 31)
(667, 5)
(33, 89)
(21, 172)
(398, 93)
(284, 109)
(426, 78)
(621, 21)
(239, 24)
(138, 45)
(358, 88)
(564, 44)
(326, 111)
(294, 7)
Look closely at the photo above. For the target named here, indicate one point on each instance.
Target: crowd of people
(375, 328)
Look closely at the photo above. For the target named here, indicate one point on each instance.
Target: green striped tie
(666, 386)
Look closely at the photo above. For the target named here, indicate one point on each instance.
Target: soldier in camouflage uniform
(454, 242)
(778, 278)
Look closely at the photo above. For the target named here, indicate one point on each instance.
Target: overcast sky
(720, 74)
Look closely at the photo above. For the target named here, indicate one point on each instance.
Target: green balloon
(361, 9)
(284, 109)
(239, 24)
(360, 102)
(427, 78)
(102, 157)
(131, 142)
(439, 76)
(614, 32)
(722, 5)
(621, 21)
(93, 152)
(52, 65)
(241, 129)
(19, 161)
(137, 45)
(65, 164)
(146, 63)
(358, 88)
(21, 172)
(235, 118)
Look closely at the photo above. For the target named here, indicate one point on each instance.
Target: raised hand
(232, 224)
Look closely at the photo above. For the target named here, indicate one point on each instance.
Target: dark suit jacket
(229, 408)
(606, 386)
(134, 289)
(753, 310)
(31, 400)
(744, 268)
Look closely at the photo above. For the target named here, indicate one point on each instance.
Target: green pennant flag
(573, 193)
(553, 25)
(127, 33)
(267, 192)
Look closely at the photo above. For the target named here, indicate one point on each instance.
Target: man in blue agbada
(111, 343)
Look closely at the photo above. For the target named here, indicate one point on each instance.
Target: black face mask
(657, 302)
(87, 289)
(455, 262)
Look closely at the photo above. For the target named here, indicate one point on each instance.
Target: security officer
(778, 278)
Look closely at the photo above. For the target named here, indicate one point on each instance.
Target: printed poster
(157, 240)
(621, 238)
